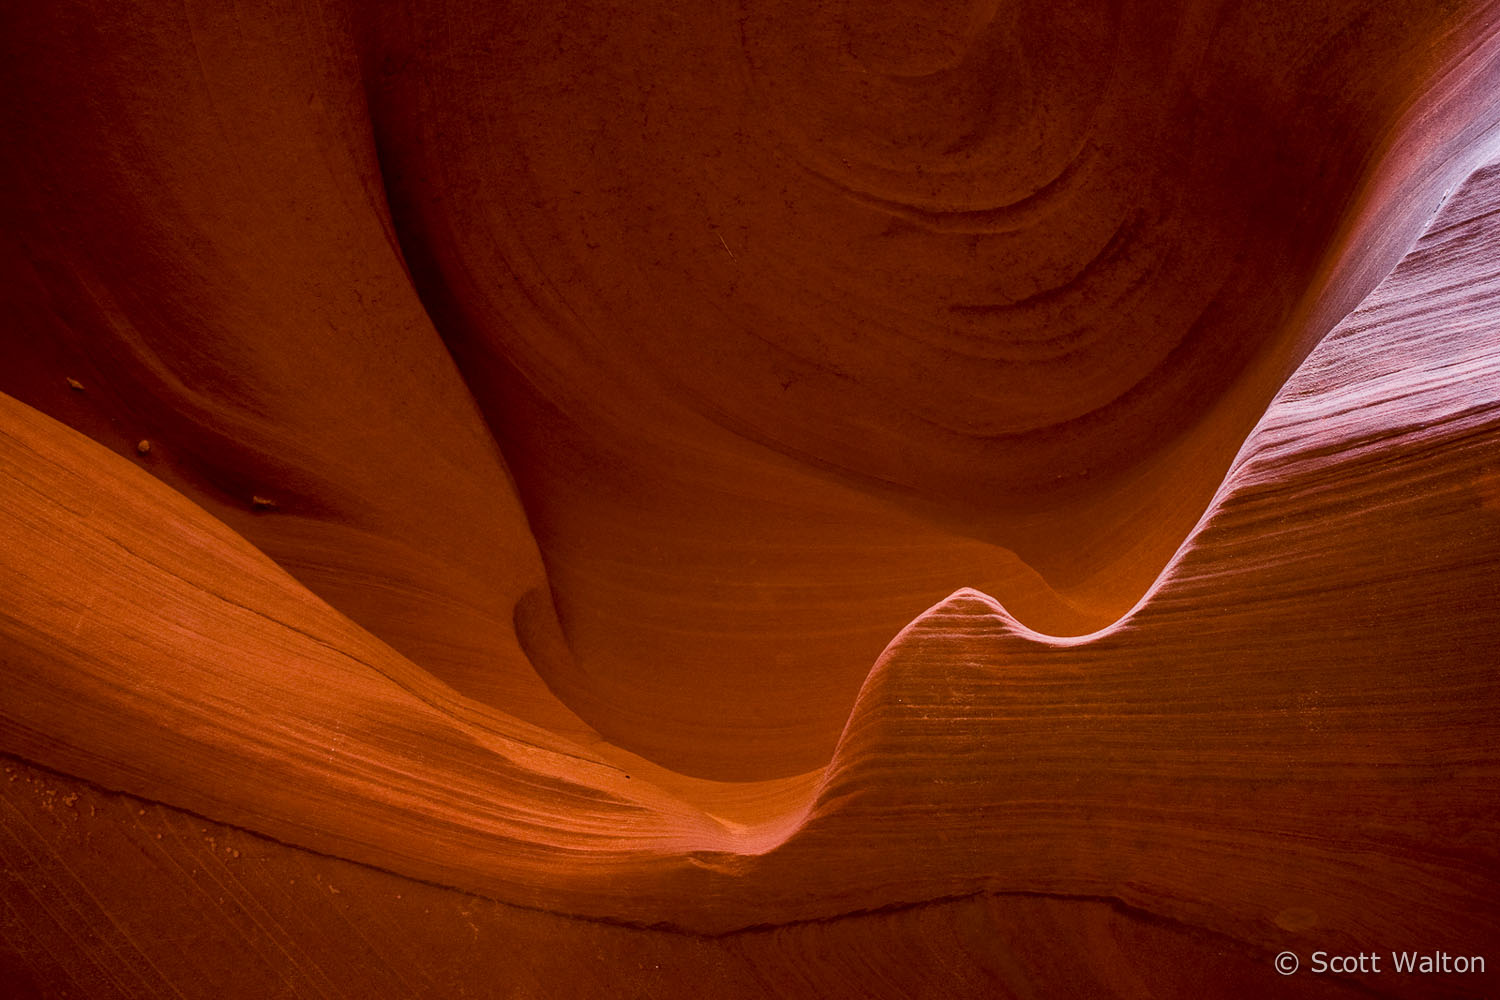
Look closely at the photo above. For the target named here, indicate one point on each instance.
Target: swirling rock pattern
(502, 457)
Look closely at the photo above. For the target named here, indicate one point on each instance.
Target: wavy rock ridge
(965, 713)
(522, 583)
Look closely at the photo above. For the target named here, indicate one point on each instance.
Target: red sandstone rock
(558, 426)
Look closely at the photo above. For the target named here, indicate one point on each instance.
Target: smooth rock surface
(558, 426)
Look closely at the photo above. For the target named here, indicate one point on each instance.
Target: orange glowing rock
(961, 485)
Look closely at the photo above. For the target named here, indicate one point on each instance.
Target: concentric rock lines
(513, 453)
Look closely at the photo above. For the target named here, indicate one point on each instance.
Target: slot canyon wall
(754, 499)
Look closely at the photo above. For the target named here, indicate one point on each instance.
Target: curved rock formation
(513, 453)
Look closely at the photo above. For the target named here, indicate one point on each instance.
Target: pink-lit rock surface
(558, 426)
